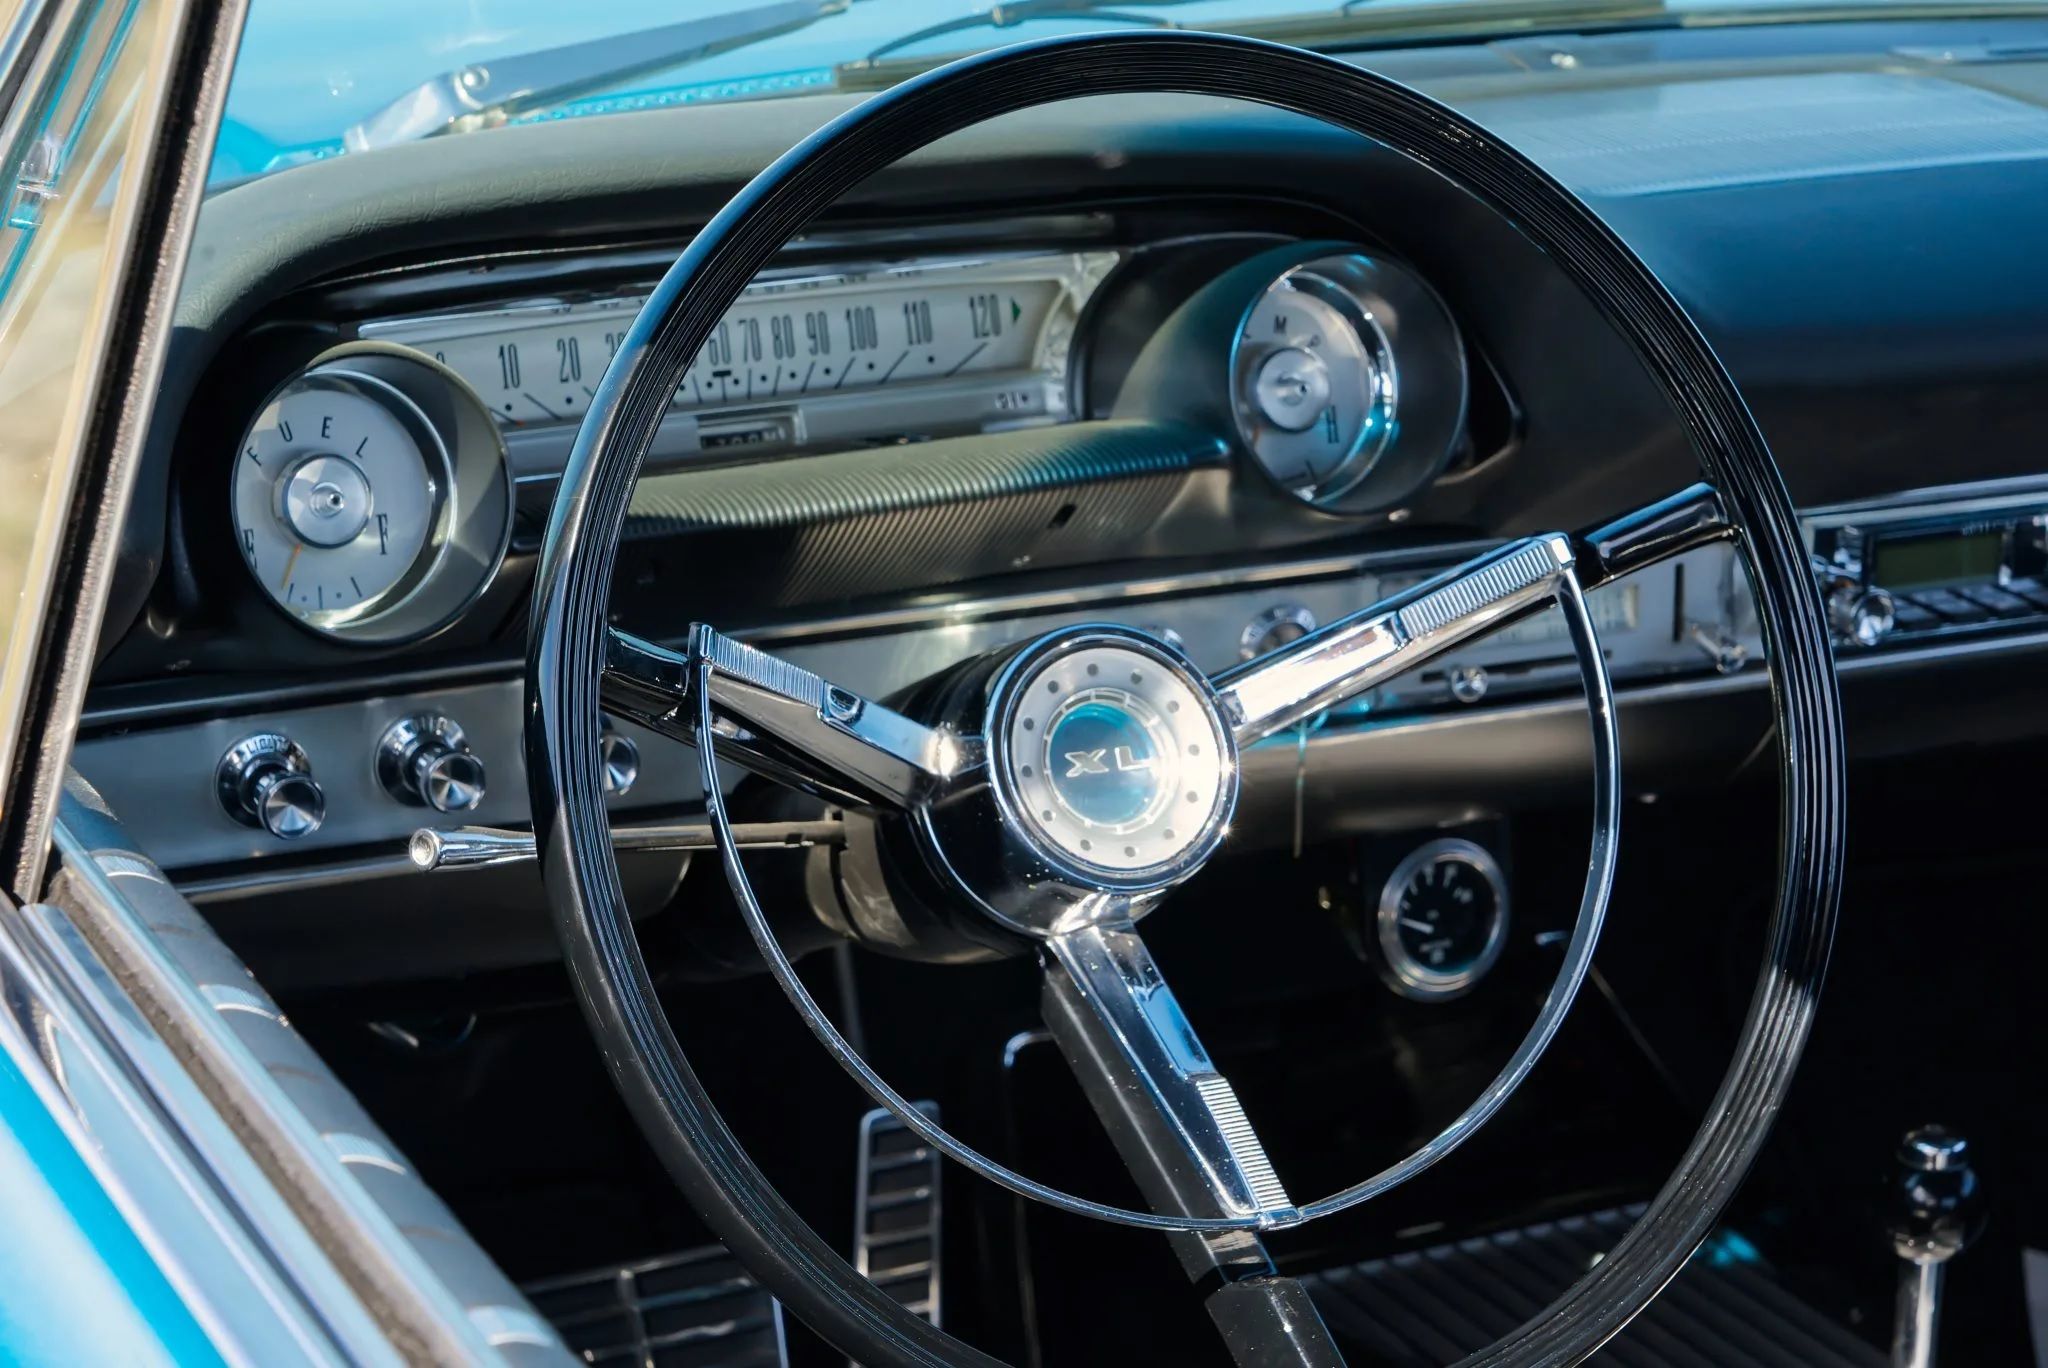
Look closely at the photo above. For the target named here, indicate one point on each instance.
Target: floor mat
(1726, 1308)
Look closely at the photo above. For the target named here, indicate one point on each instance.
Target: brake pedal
(896, 1211)
(695, 1307)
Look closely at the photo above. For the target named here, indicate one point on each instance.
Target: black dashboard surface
(1834, 203)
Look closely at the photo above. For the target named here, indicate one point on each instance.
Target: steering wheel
(976, 792)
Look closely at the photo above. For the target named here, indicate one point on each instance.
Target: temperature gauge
(1443, 919)
(369, 498)
(1348, 382)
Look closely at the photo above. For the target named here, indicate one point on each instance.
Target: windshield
(316, 81)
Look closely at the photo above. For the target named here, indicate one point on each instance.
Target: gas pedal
(896, 1211)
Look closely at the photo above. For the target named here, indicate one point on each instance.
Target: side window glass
(77, 105)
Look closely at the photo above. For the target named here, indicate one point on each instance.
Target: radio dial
(1859, 613)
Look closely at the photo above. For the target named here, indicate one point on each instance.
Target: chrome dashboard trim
(1091, 227)
(257, 883)
(401, 680)
(1973, 497)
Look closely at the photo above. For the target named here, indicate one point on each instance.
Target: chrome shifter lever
(1940, 1212)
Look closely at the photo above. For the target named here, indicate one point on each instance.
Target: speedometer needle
(286, 578)
(1413, 925)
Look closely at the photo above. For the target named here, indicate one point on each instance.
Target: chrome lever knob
(265, 781)
(425, 761)
(1938, 1210)
(619, 757)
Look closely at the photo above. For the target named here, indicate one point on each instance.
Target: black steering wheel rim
(574, 580)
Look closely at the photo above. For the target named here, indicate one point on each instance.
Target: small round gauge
(1315, 387)
(356, 507)
(1443, 919)
(341, 503)
(1348, 382)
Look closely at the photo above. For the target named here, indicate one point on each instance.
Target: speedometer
(984, 340)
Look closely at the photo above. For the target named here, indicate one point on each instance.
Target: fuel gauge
(370, 498)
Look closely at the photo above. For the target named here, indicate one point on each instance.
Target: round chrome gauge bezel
(1406, 974)
(1334, 288)
(437, 471)
(465, 480)
(1124, 705)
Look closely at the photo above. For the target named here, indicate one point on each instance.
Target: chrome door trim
(414, 1308)
(254, 1278)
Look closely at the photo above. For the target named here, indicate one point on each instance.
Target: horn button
(1110, 757)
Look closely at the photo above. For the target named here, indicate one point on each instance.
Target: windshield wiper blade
(487, 93)
(1016, 12)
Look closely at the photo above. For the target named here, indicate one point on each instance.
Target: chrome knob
(265, 781)
(1937, 1212)
(1859, 613)
(1469, 683)
(1273, 628)
(424, 761)
(620, 757)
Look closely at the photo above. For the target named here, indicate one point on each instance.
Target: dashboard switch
(265, 781)
(424, 761)
(1280, 625)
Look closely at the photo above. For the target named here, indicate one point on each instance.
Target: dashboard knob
(1860, 613)
(1469, 683)
(1273, 628)
(265, 781)
(620, 756)
(424, 761)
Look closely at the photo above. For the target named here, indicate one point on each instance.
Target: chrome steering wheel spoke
(782, 721)
(1174, 1116)
(1357, 652)
(1485, 594)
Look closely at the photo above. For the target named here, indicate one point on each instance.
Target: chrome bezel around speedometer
(452, 482)
(1373, 357)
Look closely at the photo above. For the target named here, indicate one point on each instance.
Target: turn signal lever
(1937, 1212)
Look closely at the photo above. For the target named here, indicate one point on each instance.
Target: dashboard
(1052, 371)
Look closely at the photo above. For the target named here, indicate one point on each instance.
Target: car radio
(1963, 559)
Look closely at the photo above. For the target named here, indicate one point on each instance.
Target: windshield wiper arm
(487, 93)
(1002, 16)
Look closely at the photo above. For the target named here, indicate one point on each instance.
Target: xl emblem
(1090, 762)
